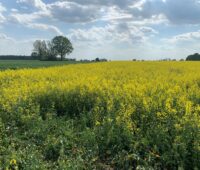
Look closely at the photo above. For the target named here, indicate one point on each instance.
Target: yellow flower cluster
(13, 162)
(121, 87)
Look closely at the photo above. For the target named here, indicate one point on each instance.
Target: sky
(112, 29)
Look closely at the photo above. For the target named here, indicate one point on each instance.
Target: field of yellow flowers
(114, 115)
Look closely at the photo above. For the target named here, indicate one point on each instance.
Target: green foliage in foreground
(20, 64)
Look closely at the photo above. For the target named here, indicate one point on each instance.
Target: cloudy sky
(113, 29)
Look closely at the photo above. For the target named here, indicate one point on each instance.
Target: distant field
(19, 64)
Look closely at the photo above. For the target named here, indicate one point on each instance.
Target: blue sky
(113, 29)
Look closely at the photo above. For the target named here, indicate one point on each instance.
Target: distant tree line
(15, 57)
(56, 49)
(95, 60)
(194, 57)
(99, 60)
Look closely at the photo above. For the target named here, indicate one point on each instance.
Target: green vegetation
(111, 115)
(19, 64)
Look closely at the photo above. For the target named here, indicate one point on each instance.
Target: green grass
(20, 64)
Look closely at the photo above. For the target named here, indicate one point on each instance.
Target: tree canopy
(62, 46)
(40, 48)
(194, 57)
(50, 50)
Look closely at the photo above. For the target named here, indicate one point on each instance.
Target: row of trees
(59, 46)
(15, 57)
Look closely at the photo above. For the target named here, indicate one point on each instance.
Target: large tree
(62, 46)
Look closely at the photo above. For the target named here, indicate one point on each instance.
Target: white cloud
(15, 48)
(65, 11)
(176, 11)
(45, 27)
(71, 12)
(28, 20)
(112, 34)
(186, 37)
(14, 10)
(23, 18)
(82, 11)
(12, 46)
(153, 20)
(2, 17)
(4, 37)
(2, 8)
(9, 45)
(118, 3)
(36, 3)
(114, 13)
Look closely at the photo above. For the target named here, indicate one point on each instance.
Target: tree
(51, 53)
(62, 46)
(194, 57)
(97, 59)
(34, 55)
(49, 50)
(41, 49)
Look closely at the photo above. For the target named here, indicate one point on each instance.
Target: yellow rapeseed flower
(13, 162)
(97, 123)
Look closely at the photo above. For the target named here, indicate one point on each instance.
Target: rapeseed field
(112, 115)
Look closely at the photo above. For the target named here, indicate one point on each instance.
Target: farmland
(114, 115)
(20, 64)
